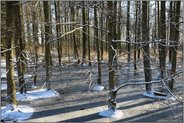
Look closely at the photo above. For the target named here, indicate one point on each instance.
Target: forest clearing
(91, 61)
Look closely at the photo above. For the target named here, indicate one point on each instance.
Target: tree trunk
(112, 85)
(36, 43)
(11, 89)
(47, 45)
(97, 45)
(76, 54)
(20, 48)
(171, 37)
(101, 33)
(89, 56)
(174, 52)
(119, 27)
(145, 38)
(135, 46)
(83, 34)
(58, 29)
(162, 42)
(138, 30)
(127, 29)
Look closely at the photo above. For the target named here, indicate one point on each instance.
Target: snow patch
(98, 87)
(19, 113)
(26, 76)
(3, 87)
(152, 95)
(3, 64)
(36, 94)
(111, 114)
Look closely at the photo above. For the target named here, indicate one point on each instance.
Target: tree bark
(11, 89)
(162, 42)
(19, 50)
(47, 45)
(145, 38)
(127, 29)
(36, 43)
(174, 52)
(83, 34)
(112, 84)
(97, 45)
(58, 29)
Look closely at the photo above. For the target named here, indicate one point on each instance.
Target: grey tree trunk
(112, 83)
(162, 42)
(36, 43)
(145, 38)
(47, 45)
(83, 34)
(58, 29)
(127, 29)
(174, 52)
(97, 46)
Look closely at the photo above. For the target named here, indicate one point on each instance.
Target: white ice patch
(36, 94)
(3, 87)
(98, 87)
(19, 113)
(111, 114)
(152, 95)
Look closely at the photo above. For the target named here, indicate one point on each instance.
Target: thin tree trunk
(11, 89)
(47, 45)
(112, 83)
(101, 33)
(135, 46)
(97, 46)
(145, 38)
(174, 52)
(35, 37)
(162, 49)
(76, 55)
(20, 49)
(83, 34)
(138, 30)
(89, 56)
(171, 37)
(127, 29)
(58, 29)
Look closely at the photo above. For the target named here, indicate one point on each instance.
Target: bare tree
(162, 49)
(19, 50)
(83, 33)
(97, 45)
(11, 90)
(47, 45)
(128, 29)
(145, 38)
(112, 83)
(58, 29)
(36, 43)
(176, 40)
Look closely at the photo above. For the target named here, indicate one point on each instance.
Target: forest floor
(77, 103)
